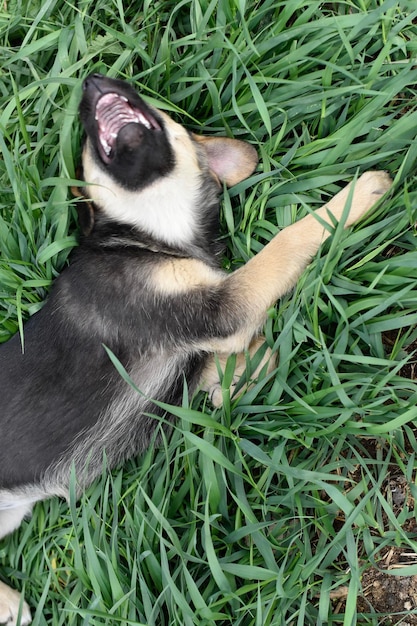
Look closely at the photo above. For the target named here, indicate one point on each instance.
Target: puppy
(144, 285)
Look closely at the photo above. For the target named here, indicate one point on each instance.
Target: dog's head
(146, 170)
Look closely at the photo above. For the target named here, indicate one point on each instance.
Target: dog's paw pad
(10, 602)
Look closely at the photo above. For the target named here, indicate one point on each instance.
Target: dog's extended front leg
(274, 271)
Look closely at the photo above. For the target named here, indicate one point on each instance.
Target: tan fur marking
(180, 275)
(233, 344)
(181, 142)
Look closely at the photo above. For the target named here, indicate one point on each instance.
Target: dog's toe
(216, 396)
(10, 604)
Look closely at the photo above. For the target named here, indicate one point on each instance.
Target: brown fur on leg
(211, 381)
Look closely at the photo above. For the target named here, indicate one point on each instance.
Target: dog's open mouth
(113, 113)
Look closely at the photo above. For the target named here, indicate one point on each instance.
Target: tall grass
(252, 514)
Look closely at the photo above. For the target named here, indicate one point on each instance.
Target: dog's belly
(74, 407)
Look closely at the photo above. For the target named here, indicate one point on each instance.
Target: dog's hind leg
(11, 518)
(11, 602)
(211, 378)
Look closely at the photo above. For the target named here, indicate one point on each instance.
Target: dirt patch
(393, 599)
(410, 369)
(394, 596)
(385, 594)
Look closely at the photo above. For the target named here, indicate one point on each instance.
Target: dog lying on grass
(144, 283)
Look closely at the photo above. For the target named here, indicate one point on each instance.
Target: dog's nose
(91, 79)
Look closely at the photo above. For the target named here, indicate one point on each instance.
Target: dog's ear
(231, 160)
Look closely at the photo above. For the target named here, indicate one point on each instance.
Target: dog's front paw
(10, 602)
(375, 182)
(363, 194)
(367, 190)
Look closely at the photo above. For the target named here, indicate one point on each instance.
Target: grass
(255, 514)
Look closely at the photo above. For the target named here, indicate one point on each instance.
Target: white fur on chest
(165, 210)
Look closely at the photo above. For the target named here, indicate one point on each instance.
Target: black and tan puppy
(145, 283)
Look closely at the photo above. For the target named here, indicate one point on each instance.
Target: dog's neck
(109, 234)
(178, 215)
